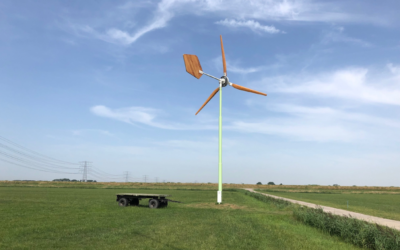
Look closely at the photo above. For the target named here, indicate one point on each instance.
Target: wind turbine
(193, 67)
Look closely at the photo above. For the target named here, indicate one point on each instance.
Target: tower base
(219, 197)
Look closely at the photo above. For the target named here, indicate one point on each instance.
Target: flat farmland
(385, 204)
(89, 218)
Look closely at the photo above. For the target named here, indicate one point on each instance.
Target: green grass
(381, 205)
(73, 218)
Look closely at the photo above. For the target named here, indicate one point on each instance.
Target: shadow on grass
(143, 206)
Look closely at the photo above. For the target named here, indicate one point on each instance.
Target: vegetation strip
(373, 219)
(351, 230)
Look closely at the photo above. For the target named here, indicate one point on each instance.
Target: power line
(38, 166)
(104, 176)
(36, 153)
(48, 171)
(32, 158)
(105, 173)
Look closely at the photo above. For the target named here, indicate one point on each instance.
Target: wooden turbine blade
(209, 98)
(247, 89)
(192, 64)
(223, 56)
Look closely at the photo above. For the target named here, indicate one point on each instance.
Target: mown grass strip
(384, 205)
(277, 202)
(357, 232)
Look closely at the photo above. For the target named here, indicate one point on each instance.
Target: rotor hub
(226, 82)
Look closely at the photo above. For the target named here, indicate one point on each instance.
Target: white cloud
(394, 68)
(352, 83)
(332, 122)
(315, 123)
(311, 122)
(251, 24)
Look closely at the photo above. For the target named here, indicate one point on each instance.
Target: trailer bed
(144, 195)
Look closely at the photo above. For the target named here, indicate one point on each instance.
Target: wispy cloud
(334, 114)
(296, 129)
(317, 123)
(165, 10)
(199, 144)
(354, 84)
(131, 115)
(337, 35)
(160, 18)
(251, 24)
(144, 116)
(80, 132)
(235, 67)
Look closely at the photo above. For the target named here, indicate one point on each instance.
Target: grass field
(202, 186)
(89, 218)
(376, 203)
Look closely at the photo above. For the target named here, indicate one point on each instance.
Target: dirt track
(381, 221)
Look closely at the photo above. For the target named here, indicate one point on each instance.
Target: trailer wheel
(163, 203)
(134, 202)
(154, 203)
(123, 202)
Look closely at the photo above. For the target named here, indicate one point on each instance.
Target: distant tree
(64, 179)
(271, 183)
(280, 184)
(336, 185)
(259, 183)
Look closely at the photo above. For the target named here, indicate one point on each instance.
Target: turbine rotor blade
(192, 65)
(209, 98)
(223, 56)
(247, 89)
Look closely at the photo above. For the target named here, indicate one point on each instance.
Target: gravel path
(381, 221)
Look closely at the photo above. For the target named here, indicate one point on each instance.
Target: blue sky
(105, 81)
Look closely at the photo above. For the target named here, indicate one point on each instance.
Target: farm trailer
(155, 200)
